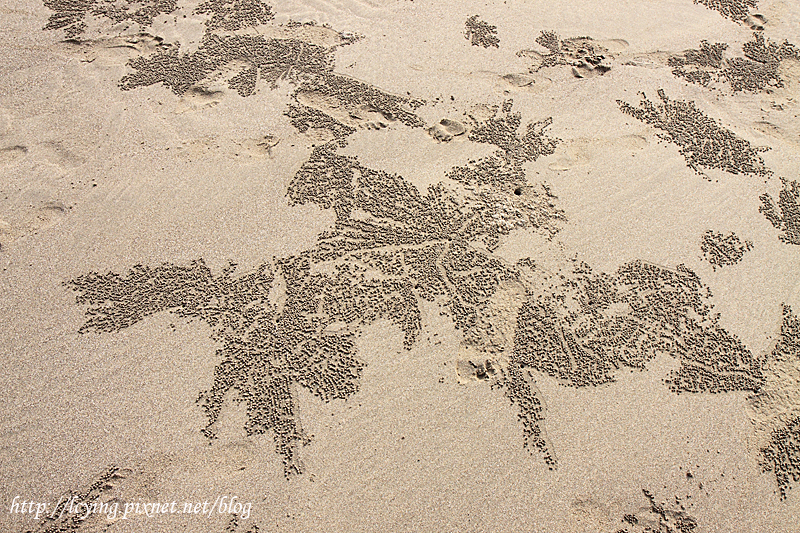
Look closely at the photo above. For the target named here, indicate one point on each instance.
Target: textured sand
(422, 425)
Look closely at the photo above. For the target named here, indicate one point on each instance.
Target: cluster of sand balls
(782, 455)
(424, 233)
(785, 213)
(323, 85)
(70, 15)
(358, 95)
(418, 243)
(502, 129)
(479, 33)
(62, 520)
(590, 325)
(226, 15)
(494, 171)
(235, 525)
(427, 238)
(737, 10)
(697, 66)
(703, 142)
(502, 197)
(265, 354)
(232, 15)
(757, 71)
(658, 518)
(305, 118)
(579, 52)
(531, 413)
(722, 250)
(266, 59)
(431, 231)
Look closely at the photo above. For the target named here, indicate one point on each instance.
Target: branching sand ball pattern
(225, 15)
(782, 456)
(590, 325)
(785, 213)
(757, 71)
(71, 15)
(736, 10)
(392, 246)
(702, 141)
(401, 246)
(479, 33)
(232, 15)
(266, 59)
(782, 453)
(722, 250)
(578, 52)
(263, 58)
(265, 354)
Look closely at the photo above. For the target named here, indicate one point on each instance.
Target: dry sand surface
(400, 265)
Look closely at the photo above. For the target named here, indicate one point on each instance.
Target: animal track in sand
(586, 56)
(203, 148)
(323, 36)
(475, 369)
(5, 123)
(788, 131)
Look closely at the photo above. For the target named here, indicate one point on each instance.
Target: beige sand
(98, 179)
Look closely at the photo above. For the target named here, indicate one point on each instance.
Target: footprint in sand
(531, 82)
(198, 98)
(356, 116)
(446, 129)
(260, 147)
(583, 151)
(118, 49)
(10, 154)
(756, 21)
(58, 153)
(5, 123)
(46, 216)
(5, 232)
(32, 221)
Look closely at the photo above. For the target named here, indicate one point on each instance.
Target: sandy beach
(400, 266)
